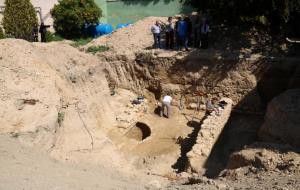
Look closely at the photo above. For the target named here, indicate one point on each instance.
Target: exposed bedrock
(282, 120)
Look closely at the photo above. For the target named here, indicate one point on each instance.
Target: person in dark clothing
(204, 29)
(169, 34)
(43, 31)
(197, 33)
(182, 34)
(176, 32)
(189, 31)
(35, 34)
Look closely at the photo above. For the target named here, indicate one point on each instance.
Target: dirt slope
(129, 40)
(28, 169)
(56, 98)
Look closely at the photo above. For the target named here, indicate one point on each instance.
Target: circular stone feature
(139, 132)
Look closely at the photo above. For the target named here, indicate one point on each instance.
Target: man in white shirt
(166, 103)
(156, 30)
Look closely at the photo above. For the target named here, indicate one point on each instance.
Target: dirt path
(22, 168)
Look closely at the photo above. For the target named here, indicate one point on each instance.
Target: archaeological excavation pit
(140, 131)
(190, 81)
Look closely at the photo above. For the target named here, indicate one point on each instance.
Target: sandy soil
(29, 169)
(128, 40)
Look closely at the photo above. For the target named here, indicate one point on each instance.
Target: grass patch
(95, 49)
(81, 42)
(52, 37)
(60, 118)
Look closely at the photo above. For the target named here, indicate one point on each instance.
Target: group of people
(212, 105)
(181, 34)
(42, 30)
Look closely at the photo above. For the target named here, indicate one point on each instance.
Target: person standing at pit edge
(204, 29)
(43, 31)
(166, 103)
(182, 27)
(156, 30)
(169, 34)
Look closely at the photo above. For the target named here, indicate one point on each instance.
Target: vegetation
(273, 13)
(81, 42)
(1, 33)
(95, 49)
(19, 19)
(70, 17)
(51, 37)
(60, 118)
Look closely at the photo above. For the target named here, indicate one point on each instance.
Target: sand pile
(138, 36)
(57, 99)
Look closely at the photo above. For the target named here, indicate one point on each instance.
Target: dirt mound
(130, 39)
(282, 121)
(272, 157)
(56, 98)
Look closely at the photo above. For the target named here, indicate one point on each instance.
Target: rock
(282, 120)
(155, 183)
(192, 106)
(185, 175)
(19, 104)
(264, 158)
(221, 186)
(170, 88)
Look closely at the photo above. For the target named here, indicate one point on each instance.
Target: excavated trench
(191, 79)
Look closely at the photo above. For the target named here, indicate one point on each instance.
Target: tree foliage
(19, 18)
(1, 33)
(277, 12)
(70, 16)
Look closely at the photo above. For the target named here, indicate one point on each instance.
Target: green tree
(1, 33)
(19, 18)
(277, 12)
(70, 16)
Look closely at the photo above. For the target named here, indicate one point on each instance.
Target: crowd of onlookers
(183, 33)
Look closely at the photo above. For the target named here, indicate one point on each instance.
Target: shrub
(70, 17)
(19, 19)
(51, 37)
(81, 42)
(1, 33)
(95, 49)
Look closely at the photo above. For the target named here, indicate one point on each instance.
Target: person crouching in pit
(211, 106)
(166, 105)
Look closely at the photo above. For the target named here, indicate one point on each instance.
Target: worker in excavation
(166, 105)
(211, 106)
